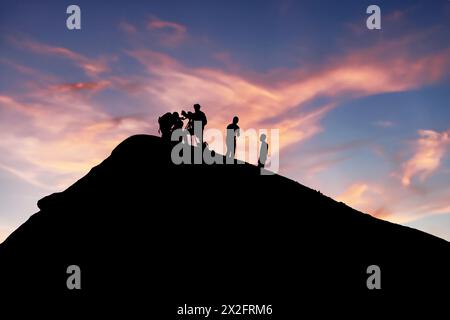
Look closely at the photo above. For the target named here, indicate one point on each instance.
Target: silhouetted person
(233, 131)
(200, 116)
(194, 117)
(263, 151)
(165, 126)
(177, 123)
(190, 117)
(190, 125)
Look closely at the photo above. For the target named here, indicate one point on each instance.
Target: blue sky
(363, 115)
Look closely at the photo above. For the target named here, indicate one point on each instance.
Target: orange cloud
(354, 195)
(369, 198)
(279, 100)
(53, 117)
(52, 144)
(5, 232)
(429, 150)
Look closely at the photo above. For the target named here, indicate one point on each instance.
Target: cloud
(367, 197)
(170, 33)
(127, 27)
(5, 232)
(81, 86)
(429, 150)
(57, 136)
(92, 67)
(354, 195)
(442, 210)
(435, 203)
(56, 131)
(439, 208)
(282, 100)
(308, 162)
(315, 166)
(384, 198)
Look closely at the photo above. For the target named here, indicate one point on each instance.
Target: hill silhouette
(146, 232)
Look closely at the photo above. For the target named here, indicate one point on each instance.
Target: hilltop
(147, 232)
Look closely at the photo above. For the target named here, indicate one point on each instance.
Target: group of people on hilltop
(169, 122)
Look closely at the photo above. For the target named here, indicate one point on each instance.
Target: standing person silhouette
(199, 116)
(263, 151)
(233, 131)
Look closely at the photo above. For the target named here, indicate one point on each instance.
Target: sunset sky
(364, 115)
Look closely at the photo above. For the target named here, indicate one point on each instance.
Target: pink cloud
(354, 195)
(5, 231)
(367, 197)
(127, 27)
(92, 67)
(170, 33)
(275, 96)
(51, 137)
(432, 204)
(429, 150)
(441, 207)
(81, 86)
(55, 116)
(386, 199)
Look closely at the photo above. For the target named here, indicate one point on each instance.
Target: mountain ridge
(210, 233)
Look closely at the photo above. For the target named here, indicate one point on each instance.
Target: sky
(363, 115)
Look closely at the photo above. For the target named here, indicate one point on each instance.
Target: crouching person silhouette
(165, 126)
(263, 151)
(233, 131)
(168, 123)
